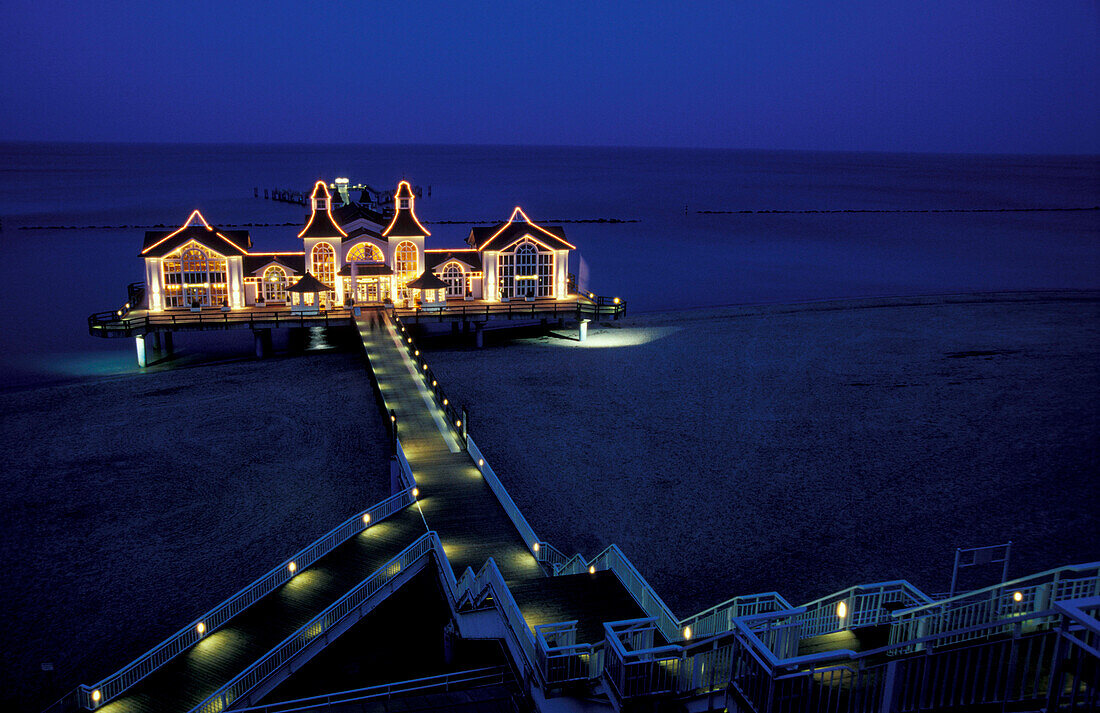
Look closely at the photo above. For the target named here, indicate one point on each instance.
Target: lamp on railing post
(465, 424)
(393, 432)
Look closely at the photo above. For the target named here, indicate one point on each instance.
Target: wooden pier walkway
(454, 501)
(189, 678)
(459, 505)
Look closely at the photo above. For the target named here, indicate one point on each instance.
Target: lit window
(274, 284)
(455, 279)
(406, 265)
(324, 267)
(365, 252)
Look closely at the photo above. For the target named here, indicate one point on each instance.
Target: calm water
(673, 257)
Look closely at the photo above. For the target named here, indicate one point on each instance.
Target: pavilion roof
(427, 281)
(309, 283)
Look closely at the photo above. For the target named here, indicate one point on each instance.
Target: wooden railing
(583, 308)
(111, 687)
(102, 324)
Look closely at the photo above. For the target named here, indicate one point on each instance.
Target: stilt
(262, 339)
(465, 327)
(454, 328)
(139, 340)
(479, 338)
(582, 330)
(561, 322)
(156, 341)
(169, 348)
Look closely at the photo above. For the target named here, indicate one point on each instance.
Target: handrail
(100, 322)
(1011, 584)
(483, 676)
(510, 508)
(489, 578)
(118, 682)
(454, 416)
(333, 614)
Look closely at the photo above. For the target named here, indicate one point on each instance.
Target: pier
(593, 629)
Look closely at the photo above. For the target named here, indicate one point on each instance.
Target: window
(274, 284)
(194, 275)
(527, 271)
(365, 252)
(406, 266)
(324, 266)
(404, 203)
(455, 279)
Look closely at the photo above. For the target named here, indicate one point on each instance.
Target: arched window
(527, 271)
(365, 252)
(194, 275)
(454, 277)
(324, 266)
(406, 266)
(274, 284)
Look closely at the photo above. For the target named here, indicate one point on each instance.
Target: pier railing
(584, 307)
(103, 324)
(95, 695)
(319, 626)
(1004, 602)
(453, 413)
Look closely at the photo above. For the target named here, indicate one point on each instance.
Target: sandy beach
(136, 503)
(801, 448)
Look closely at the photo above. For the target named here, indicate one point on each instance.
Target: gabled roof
(361, 232)
(437, 258)
(293, 262)
(159, 243)
(321, 224)
(515, 228)
(427, 281)
(309, 283)
(404, 223)
(377, 268)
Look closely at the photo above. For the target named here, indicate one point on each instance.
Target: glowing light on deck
(366, 519)
(687, 632)
(841, 610)
(292, 567)
(535, 547)
(416, 492)
(1017, 596)
(458, 423)
(591, 569)
(480, 462)
(96, 695)
(434, 383)
(445, 402)
(200, 628)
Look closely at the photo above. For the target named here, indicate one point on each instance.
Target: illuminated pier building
(362, 256)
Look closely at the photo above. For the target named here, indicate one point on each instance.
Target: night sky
(930, 75)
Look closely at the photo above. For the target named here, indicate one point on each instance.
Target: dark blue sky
(928, 75)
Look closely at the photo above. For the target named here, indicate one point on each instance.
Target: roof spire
(404, 223)
(321, 223)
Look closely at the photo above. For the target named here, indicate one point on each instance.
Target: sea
(663, 229)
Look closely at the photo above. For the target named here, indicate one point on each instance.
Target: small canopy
(427, 281)
(309, 283)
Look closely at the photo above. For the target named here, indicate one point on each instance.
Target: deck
(139, 321)
(459, 505)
